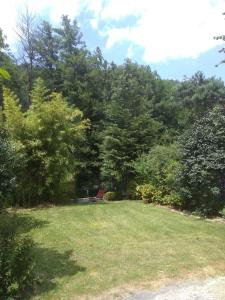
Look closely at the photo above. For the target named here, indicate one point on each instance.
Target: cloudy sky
(175, 37)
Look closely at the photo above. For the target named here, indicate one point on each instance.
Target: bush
(112, 196)
(157, 171)
(148, 193)
(16, 259)
(173, 199)
(159, 167)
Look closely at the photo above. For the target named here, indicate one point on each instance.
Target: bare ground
(210, 289)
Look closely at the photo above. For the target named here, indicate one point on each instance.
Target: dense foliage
(47, 138)
(197, 96)
(93, 123)
(7, 160)
(112, 196)
(203, 163)
(16, 259)
(130, 128)
(157, 172)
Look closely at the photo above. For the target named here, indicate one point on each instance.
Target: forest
(72, 123)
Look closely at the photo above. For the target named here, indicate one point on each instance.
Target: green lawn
(87, 249)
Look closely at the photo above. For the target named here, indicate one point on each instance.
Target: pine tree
(130, 129)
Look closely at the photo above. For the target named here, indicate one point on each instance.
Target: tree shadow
(21, 222)
(26, 223)
(52, 265)
(49, 264)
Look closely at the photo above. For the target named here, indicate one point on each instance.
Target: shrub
(16, 259)
(112, 196)
(173, 199)
(148, 193)
(158, 166)
(157, 171)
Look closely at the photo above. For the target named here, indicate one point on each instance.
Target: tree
(48, 138)
(202, 178)
(73, 64)
(166, 109)
(4, 75)
(10, 71)
(130, 129)
(196, 96)
(222, 50)
(26, 31)
(97, 86)
(47, 49)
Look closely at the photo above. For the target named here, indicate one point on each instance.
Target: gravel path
(210, 289)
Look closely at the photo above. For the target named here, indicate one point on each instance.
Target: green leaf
(4, 74)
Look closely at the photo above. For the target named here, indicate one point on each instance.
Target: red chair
(99, 196)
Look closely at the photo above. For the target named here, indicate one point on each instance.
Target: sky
(174, 37)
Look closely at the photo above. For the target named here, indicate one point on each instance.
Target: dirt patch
(210, 289)
(148, 289)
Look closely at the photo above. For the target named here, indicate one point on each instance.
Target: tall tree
(97, 85)
(198, 95)
(10, 70)
(73, 63)
(47, 48)
(130, 129)
(26, 31)
(203, 163)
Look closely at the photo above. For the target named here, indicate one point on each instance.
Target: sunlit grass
(87, 249)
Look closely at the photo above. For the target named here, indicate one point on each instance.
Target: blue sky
(174, 37)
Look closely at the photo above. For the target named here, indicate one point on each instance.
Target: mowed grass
(87, 249)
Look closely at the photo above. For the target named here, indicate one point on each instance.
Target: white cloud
(116, 35)
(10, 9)
(94, 23)
(130, 51)
(166, 29)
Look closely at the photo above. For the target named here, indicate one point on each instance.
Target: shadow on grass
(52, 265)
(49, 264)
(26, 223)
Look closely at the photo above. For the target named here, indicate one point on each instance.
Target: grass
(87, 249)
